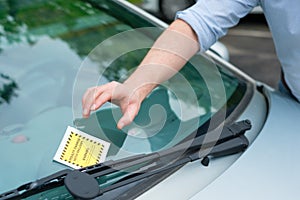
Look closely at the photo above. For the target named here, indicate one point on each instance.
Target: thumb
(128, 116)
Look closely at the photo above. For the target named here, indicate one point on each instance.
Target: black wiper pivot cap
(81, 185)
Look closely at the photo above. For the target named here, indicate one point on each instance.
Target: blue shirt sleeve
(211, 19)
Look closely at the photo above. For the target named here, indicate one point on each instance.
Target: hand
(163, 61)
(129, 100)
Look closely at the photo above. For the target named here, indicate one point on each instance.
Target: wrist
(141, 90)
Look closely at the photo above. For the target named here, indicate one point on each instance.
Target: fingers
(129, 115)
(88, 101)
(100, 100)
(95, 97)
(129, 102)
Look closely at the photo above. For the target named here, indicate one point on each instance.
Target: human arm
(196, 29)
(167, 56)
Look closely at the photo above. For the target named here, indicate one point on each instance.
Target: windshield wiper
(82, 183)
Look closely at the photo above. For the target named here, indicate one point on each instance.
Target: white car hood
(270, 168)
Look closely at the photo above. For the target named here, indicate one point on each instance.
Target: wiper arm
(231, 140)
(233, 146)
(37, 186)
(203, 141)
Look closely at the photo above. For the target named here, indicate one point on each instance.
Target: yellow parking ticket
(78, 149)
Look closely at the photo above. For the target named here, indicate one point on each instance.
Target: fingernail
(85, 111)
(120, 125)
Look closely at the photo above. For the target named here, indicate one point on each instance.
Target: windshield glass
(49, 49)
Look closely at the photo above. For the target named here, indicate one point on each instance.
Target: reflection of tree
(24, 20)
(121, 68)
(8, 88)
(13, 29)
(76, 22)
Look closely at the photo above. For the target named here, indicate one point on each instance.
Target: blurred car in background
(166, 9)
(50, 52)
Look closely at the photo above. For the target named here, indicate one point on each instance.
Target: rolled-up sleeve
(211, 19)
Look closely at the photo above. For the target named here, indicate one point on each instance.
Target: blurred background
(250, 43)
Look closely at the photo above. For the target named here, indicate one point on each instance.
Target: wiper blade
(230, 140)
(37, 186)
(233, 146)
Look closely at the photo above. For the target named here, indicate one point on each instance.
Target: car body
(52, 51)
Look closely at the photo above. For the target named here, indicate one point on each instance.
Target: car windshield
(51, 51)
